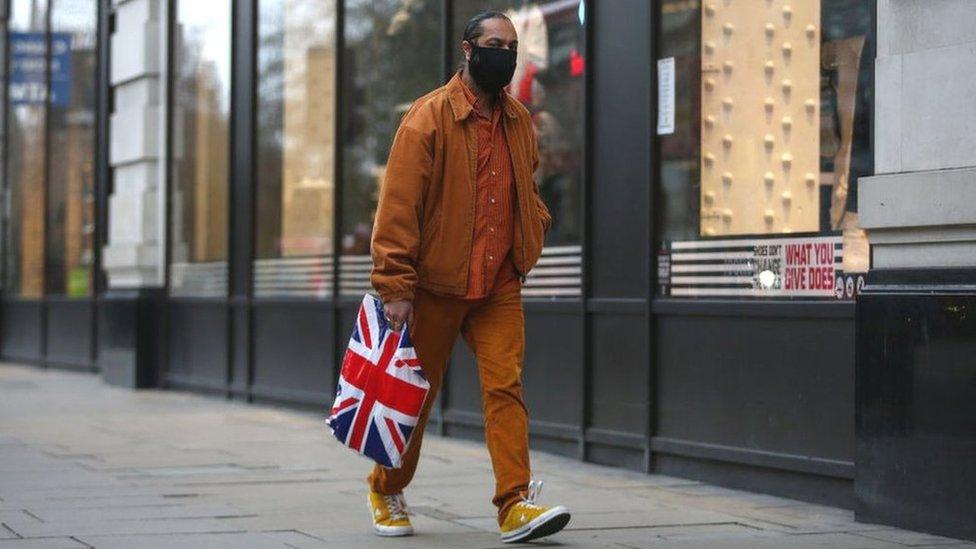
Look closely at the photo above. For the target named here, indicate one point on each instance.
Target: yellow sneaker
(389, 514)
(527, 521)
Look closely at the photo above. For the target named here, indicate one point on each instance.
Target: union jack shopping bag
(381, 388)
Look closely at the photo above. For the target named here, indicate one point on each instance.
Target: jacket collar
(462, 108)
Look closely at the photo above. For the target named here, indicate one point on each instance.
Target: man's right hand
(398, 313)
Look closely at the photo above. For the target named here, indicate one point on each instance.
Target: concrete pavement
(83, 464)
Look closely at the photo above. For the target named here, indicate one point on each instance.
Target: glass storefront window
(392, 56)
(71, 172)
(200, 162)
(295, 148)
(26, 122)
(771, 107)
(550, 81)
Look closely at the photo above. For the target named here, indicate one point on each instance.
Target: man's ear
(466, 49)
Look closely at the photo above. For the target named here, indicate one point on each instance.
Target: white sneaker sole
(388, 531)
(546, 524)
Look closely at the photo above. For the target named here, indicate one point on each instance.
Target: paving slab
(83, 464)
(128, 512)
(754, 540)
(237, 540)
(31, 529)
(43, 543)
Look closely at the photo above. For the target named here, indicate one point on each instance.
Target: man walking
(459, 224)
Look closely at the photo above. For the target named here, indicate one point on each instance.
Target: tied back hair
(473, 29)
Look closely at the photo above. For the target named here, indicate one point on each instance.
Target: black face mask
(491, 68)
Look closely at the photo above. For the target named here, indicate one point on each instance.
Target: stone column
(134, 258)
(916, 354)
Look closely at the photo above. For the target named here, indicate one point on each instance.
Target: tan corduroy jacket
(425, 219)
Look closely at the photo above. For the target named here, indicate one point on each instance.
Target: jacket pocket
(535, 239)
(429, 233)
(545, 218)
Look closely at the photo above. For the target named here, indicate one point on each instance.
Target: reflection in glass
(200, 148)
(771, 135)
(392, 56)
(846, 103)
(71, 122)
(549, 81)
(27, 95)
(295, 142)
(680, 183)
(759, 157)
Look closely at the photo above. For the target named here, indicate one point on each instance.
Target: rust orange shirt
(491, 267)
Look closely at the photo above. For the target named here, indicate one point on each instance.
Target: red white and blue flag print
(381, 388)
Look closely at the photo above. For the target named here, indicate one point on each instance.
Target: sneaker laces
(535, 488)
(397, 505)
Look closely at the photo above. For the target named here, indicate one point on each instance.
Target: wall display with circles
(760, 101)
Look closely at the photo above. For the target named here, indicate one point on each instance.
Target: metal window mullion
(4, 156)
(46, 175)
(586, 290)
(338, 183)
(102, 175)
(163, 185)
(653, 226)
(240, 193)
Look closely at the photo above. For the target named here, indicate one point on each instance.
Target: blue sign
(29, 68)
(60, 69)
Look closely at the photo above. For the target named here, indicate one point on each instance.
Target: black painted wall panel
(817, 489)
(628, 458)
(241, 348)
(621, 366)
(130, 337)
(916, 418)
(553, 370)
(21, 330)
(775, 384)
(198, 341)
(118, 352)
(118, 339)
(69, 332)
(293, 346)
(559, 446)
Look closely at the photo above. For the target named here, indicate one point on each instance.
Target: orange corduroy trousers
(494, 329)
